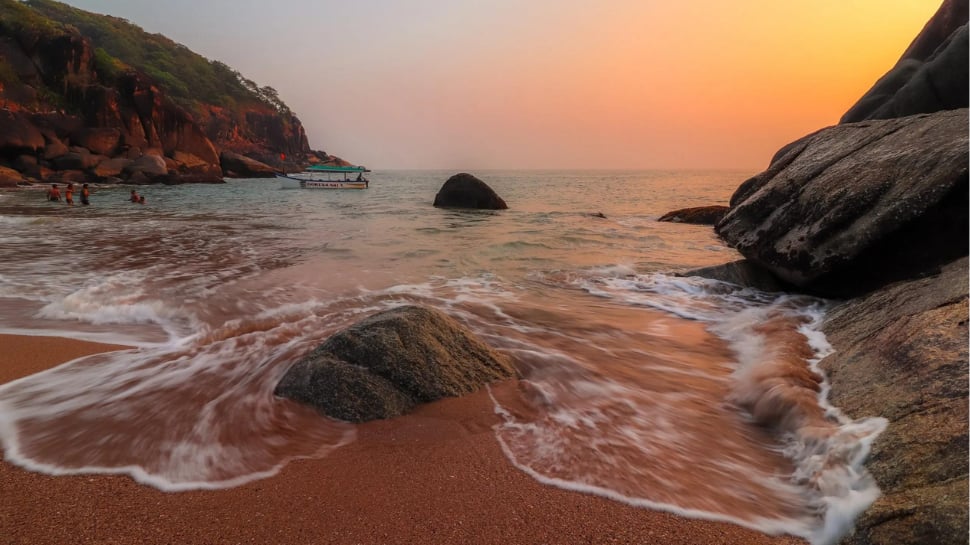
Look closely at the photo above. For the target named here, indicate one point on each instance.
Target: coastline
(437, 475)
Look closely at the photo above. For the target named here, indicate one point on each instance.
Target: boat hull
(291, 182)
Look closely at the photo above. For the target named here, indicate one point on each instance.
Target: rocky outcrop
(877, 210)
(240, 166)
(10, 177)
(901, 353)
(391, 361)
(852, 207)
(59, 94)
(466, 191)
(18, 135)
(932, 74)
(701, 215)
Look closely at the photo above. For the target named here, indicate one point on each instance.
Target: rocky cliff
(875, 210)
(80, 102)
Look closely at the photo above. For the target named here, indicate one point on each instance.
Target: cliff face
(72, 112)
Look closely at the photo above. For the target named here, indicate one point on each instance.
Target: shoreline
(437, 475)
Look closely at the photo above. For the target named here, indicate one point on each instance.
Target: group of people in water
(54, 195)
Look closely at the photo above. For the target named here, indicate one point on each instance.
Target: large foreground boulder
(386, 364)
(855, 206)
(901, 353)
(466, 191)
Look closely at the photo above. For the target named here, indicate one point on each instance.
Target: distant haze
(549, 83)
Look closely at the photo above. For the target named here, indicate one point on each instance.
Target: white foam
(773, 526)
(829, 473)
(197, 416)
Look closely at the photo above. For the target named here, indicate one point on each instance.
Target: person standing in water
(69, 195)
(54, 194)
(85, 194)
(134, 196)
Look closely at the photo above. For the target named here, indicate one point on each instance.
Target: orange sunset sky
(550, 83)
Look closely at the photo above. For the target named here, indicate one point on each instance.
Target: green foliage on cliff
(185, 76)
(16, 19)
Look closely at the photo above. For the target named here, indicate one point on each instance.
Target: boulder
(54, 149)
(389, 362)
(701, 215)
(149, 166)
(466, 191)
(10, 177)
(101, 141)
(111, 167)
(855, 206)
(27, 165)
(932, 74)
(18, 134)
(901, 353)
(240, 166)
(77, 160)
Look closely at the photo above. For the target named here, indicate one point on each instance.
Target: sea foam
(774, 379)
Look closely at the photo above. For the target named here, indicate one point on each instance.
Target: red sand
(435, 476)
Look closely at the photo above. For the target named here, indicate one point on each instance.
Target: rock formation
(901, 353)
(851, 207)
(67, 107)
(391, 361)
(931, 75)
(877, 209)
(466, 191)
(701, 215)
(239, 166)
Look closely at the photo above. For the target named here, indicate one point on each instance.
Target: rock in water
(701, 215)
(466, 191)
(389, 362)
(852, 207)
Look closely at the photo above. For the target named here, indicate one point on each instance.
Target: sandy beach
(435, 476)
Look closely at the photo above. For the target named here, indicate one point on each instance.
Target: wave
(771, 376)
(645, 393)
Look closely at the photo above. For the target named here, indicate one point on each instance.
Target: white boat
(336, 178)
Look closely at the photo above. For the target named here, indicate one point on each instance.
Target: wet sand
(435, 476)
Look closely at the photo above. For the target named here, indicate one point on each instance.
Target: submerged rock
(741, 272)
(853, 207)
(701, 215)
(901, 353)
(466, 191)
(386, 364)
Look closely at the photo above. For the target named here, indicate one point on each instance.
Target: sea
(640, 384)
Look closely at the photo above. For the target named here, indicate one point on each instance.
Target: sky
(597, 84)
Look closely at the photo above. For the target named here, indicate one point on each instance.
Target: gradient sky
(463, 84)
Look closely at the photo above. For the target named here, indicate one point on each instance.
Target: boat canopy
(332, 168)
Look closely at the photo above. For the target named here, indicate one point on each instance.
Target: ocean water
(666, 392)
